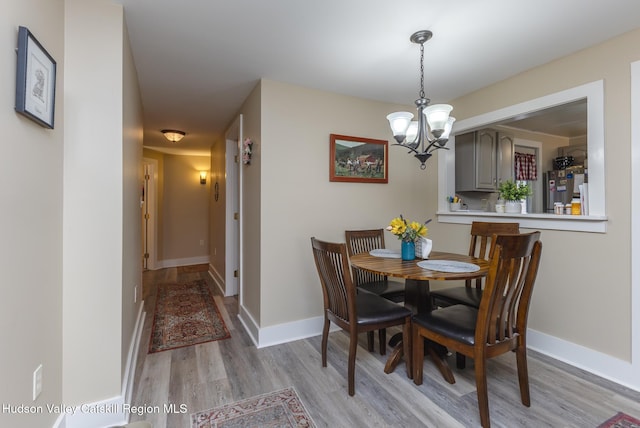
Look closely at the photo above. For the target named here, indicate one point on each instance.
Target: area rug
(621, 420)
(276, 409)
(185, 315)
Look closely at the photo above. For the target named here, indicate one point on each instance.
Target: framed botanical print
(35, 80)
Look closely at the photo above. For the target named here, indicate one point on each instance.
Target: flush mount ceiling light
(173, 135)
(431, 131)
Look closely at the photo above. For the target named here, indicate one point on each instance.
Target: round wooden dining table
(417, 293)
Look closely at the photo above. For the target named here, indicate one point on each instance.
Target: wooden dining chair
(363, 241)
(481, 233)
(354, 312)
(498, 326)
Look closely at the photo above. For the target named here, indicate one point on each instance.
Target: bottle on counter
(575, 206)
(558, 208)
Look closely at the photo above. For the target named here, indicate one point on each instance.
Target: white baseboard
(161, 264)
(217, 278)
(116, 410)
(281, 333)
(101, 414)
(605, 366)
(132, 356)
(250, 325)
(288, 332)
(597, 363)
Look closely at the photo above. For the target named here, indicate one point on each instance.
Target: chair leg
(351, 369)
(523, 374)
(417, 343)
(382, 338)
(370, 341)
(325, 337)
(408, 348)
(461, 361)
(481, 386)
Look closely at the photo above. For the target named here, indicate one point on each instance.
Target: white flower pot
(513, 207)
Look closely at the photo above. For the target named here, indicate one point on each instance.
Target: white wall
(30, 224)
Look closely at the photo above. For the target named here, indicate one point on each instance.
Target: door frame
(233, 205)
(150, 206)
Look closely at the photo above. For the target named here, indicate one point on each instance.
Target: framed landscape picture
(35, 80)
(359, 160)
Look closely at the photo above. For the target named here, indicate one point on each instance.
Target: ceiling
(566, 120)
(198, 60)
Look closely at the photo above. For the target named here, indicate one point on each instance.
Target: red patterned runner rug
(185, 315)
(621, 420)
(276, 409)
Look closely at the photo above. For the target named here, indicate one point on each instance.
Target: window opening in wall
(563, 124)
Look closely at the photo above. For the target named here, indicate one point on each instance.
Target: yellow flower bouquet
(408, 231)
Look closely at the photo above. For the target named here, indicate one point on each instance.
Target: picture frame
(358, 160)
(35, 80)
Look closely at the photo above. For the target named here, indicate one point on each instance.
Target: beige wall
(185, 207)
(298, 201)
(253, 184)
(93, 201)
(584, 287)
(70, 278)
(132, 185)
(31, 169)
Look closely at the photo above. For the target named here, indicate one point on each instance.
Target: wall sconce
(203, 177)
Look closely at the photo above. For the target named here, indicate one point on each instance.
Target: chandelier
(431, 131)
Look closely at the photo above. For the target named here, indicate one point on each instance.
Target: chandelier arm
(411, 149)
(436, 146)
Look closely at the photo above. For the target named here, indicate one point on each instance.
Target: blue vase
(408, 250)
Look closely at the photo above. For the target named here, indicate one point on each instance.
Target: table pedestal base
(418, 299)
(435, 351)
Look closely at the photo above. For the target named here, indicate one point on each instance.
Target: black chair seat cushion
(372, 309)
(390, 290)
(469, 296)
(457, 321)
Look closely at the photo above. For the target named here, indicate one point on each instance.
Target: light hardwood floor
(216, 373)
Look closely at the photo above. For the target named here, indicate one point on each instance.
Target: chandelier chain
(422, 94)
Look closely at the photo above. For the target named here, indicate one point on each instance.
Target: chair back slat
(337, 287)
(505, 301)
(480, 243)
(363, 241)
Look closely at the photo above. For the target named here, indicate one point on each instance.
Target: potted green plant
(513, 194)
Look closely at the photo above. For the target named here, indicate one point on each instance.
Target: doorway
(233, 210)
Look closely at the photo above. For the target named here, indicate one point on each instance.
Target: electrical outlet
(215, 251)
(202, 242)
(37, 382)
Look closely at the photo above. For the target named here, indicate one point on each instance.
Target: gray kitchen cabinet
(484, 159)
